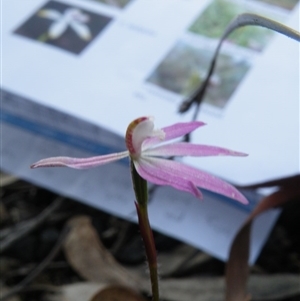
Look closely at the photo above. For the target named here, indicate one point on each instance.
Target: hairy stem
(150, 249)
(141, 194)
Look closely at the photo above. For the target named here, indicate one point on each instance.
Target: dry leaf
(117, 293)
(262, 287)
(274, 287)
(4, 215)
(4, 290)
(7, 179)
(87, 255)
(237, 266)
(180, 260)
(82, 291)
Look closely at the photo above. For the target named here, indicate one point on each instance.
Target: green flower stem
(148, 240)
(141, 193)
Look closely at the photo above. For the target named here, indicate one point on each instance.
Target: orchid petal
(189, 149)
(135, 134)
(82, 30)
(173, 131)
(158, 176)
(58, 28)
(80, 163)
(197, 177)
(139, 130)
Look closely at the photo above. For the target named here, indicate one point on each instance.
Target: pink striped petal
(79, 163)
(188, 149)
(174, 131)
(180, 129)
(159, 176)
(168, 168)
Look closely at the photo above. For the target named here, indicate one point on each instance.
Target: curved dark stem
(240, 21)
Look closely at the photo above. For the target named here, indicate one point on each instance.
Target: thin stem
(150, 249)
(38, 269)
(242, 20)
(139, 186)
(141, 193)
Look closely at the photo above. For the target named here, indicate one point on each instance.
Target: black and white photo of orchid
(65, 26)
(72, 17)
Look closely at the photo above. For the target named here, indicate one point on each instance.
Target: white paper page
(109, 82)
(26, 135)
(262, 118)
(116, 68)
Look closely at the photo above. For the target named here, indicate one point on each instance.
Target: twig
(35, 272)
(26, 227)
(121, 238)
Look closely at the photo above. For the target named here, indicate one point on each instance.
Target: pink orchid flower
(146, 149)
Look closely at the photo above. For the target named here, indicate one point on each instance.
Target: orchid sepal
(80, 163)
(189, 149)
